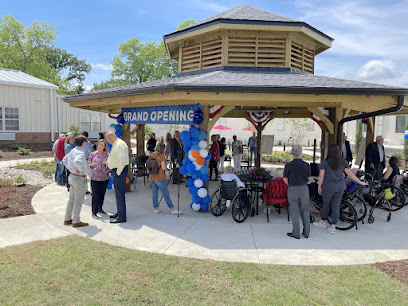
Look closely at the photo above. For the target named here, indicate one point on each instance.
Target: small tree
(299, 129)
(74, 128)
(148, 131)
(359, 135)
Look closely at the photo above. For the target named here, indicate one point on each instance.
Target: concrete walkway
(13, 163)
(201, 235)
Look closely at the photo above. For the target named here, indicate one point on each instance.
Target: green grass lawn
(75, 270)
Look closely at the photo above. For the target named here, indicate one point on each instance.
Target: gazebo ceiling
(245, 88)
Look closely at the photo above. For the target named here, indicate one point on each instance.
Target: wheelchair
(239, 198)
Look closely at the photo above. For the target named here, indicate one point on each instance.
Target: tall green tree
(138, 63)
(31, 50)
(109, 84)
(186, 24)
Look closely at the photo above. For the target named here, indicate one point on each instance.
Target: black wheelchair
(238, 197)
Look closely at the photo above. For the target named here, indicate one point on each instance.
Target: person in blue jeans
(252, 149)
(158, 180)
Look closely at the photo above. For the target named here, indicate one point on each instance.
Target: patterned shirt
(100, 172)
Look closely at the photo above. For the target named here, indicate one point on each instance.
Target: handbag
(388, 195)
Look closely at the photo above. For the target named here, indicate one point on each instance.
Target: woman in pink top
(99, 177)
(215, 157)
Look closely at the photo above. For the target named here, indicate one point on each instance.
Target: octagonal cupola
(246, 36)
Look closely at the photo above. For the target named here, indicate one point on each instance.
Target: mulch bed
(397, 269)
(36, 149)
(16, 201)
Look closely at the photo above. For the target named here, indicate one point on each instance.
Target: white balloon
(198, 183)
(203, 153)
(202, 192)
(190, 157)
(198, 167)
(196, 207)
(202, 144)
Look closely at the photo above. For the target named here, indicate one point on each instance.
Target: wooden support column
(370, 137)
(126, 138)
(140, 134)
(259, 129)
(204, 127)
(335, 115)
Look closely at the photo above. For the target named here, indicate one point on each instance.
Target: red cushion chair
(275, 194)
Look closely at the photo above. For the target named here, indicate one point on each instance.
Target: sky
(370, 36)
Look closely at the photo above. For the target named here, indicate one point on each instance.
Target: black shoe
(303, 234)
(175, 183)
(113, 216)
(292, 236)
(117, 221)
(88, 192)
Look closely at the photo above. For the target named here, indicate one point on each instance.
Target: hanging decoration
(198, 115)
(316, 118)
(259, 117)
(194, 166)
(214, 110)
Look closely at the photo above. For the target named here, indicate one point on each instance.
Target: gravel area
(33, 177)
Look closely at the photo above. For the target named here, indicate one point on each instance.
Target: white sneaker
(320, 224)
(269, 210)
(176, 211)
(228, 204)
(332, 230)
(156, 210)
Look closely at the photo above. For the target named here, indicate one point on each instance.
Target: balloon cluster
(406, 135)
(194, 166)
(198, 115)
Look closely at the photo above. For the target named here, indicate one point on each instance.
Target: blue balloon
(112, 126)
(194, 141)
(208, 157)
(196, 199)
(204, 170)
(183, 170)
(202, 135)
(193, 132)
(190, 182)
(186, 149)
(186, 161)
(187, 142)
(189, 173)
(109, 145)
(205, 178)
(406, 136)
(196, 147)
(196, 174)
(206, 200)
(193, 190)
(118, 134)
(204, 206)
(191, 205)
(118, 127)
(191, 167)
(184, 135)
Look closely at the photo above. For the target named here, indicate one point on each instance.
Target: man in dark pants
(375, 158)
(176, 153)
(346, 151)
(118, 162)
(296, 176)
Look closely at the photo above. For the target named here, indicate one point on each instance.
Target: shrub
(38, 155)
(20, 180)
(1, 154)
(48, 172)
(15, 146)
(4, 182)
(24, 151)
(19, 166)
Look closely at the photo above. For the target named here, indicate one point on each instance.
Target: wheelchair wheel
(388, 217)
(370, 219)
(348, 216)
(312, 219)
(360, 206)
(240, 208)
(398, 201)
(217, 204)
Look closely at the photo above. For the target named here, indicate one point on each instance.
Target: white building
(32, 112)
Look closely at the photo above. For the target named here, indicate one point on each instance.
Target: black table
(252, 182)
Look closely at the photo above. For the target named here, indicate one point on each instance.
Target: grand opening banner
(169, 114)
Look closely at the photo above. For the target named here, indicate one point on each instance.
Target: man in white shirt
(118, 162)
(75, 162)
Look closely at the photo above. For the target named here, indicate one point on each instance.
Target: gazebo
(248, 60)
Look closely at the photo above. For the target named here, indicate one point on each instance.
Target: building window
(91, 122)
(9, 119)
(281, 124)
(400, 124)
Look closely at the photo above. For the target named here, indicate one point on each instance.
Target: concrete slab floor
(201, 235)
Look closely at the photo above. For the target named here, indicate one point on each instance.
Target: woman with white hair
(296, 176)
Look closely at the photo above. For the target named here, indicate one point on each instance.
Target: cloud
(377, 69)
(102, 66)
